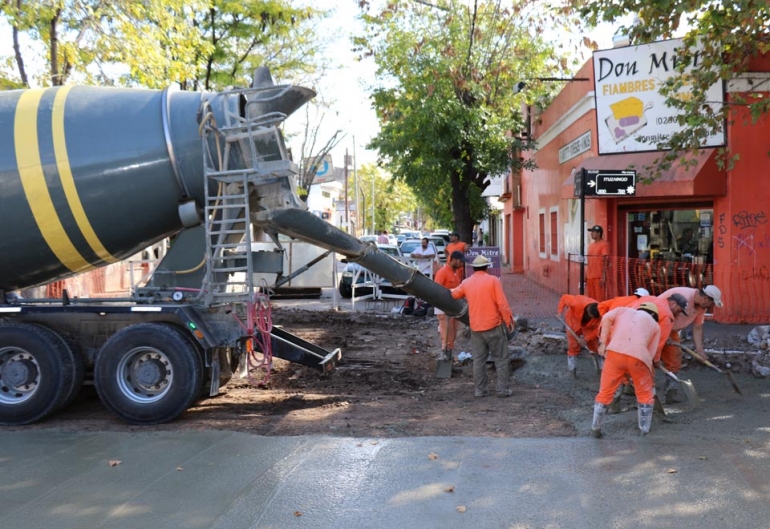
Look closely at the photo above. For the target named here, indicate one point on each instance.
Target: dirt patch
(384, 386)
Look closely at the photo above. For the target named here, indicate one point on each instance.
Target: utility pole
(360, 215)
(347, 202)
(582, 230)
(374, 175)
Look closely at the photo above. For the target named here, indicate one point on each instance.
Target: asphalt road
(212, 479)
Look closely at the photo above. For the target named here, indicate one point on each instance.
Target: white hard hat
(641, 292)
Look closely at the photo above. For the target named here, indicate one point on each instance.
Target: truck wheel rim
(19, 375)
(145, 375)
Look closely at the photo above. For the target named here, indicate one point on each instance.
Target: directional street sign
(606, 182)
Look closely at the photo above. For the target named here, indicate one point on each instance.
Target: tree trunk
(17, 50)
(53, 37)
(461, 208)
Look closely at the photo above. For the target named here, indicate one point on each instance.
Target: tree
(200, 44)
(82, 39)
(245, 34)
(725, 37)
(393, 199)
(445, 100)
(313, 148)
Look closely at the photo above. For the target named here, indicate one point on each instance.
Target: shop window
(554, 218)
(542, 235)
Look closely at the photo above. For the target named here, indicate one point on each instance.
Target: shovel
(575, 336)
(687, 387)
(706, 362)
(444, 363)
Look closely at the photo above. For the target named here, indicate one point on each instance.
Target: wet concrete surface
(212, 479)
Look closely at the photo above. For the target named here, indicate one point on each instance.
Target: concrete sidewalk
(221, 480)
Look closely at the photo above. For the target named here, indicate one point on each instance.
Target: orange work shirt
(447, 278)
(574, 317)
(595, 257)
(487, 306)
(665, 318)
(620, 301)
(458, 246)
(631, 332)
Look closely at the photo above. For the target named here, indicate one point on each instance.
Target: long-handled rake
(706, 362)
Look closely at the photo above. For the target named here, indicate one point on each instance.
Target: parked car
(444, 234)
(410, 245)
(413, 234)
(346, 282)
(440, 245)
(368, 238)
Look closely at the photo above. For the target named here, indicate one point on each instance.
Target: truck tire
(148, 373)
(37, 373)
(78, 367)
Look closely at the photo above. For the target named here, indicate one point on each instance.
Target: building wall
(739, 197)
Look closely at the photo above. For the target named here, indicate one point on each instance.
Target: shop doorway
(668, 247)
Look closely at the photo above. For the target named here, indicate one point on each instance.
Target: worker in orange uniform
(668, 309)
(698, 302)
(582, 316)
(448, 277)
(622, 301)
(456, 245)
(490, 319)
(629, 342)
(598, 265)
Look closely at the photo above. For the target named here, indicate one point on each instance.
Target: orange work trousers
(670, 355)
(616, 367)
(595, 289)
(573, 346)
(447, 330)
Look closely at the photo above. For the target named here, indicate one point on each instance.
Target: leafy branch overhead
(721, 39)
(444, 93)
(200, 44)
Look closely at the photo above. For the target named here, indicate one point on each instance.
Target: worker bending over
(698, 302)
(629, 341)
(582, 317)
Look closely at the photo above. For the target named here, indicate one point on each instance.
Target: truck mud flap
(294, 349)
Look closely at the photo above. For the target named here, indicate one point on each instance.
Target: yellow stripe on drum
(34, 184)
(67, 181)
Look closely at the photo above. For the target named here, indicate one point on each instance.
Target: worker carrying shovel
(582, 317)
(698, 302)
(629, 342)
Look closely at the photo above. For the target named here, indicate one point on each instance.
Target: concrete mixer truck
(91, 176)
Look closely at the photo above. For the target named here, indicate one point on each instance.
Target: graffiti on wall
(722, 231)
(743, 219)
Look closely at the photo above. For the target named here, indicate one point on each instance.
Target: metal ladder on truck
(243, 158)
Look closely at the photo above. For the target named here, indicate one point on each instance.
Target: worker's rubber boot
(645, 417)
(572, 365)
(596, 424)
(671, 391)
(614, 406)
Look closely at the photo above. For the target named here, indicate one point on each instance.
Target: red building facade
(689, 227)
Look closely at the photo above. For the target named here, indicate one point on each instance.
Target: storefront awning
(703, 179)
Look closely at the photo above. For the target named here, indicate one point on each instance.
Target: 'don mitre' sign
(608, 182)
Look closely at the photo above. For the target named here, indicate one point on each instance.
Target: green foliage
(445, 96)
(393, 199)
(245, 34)
(726, 36)
(200, 44)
